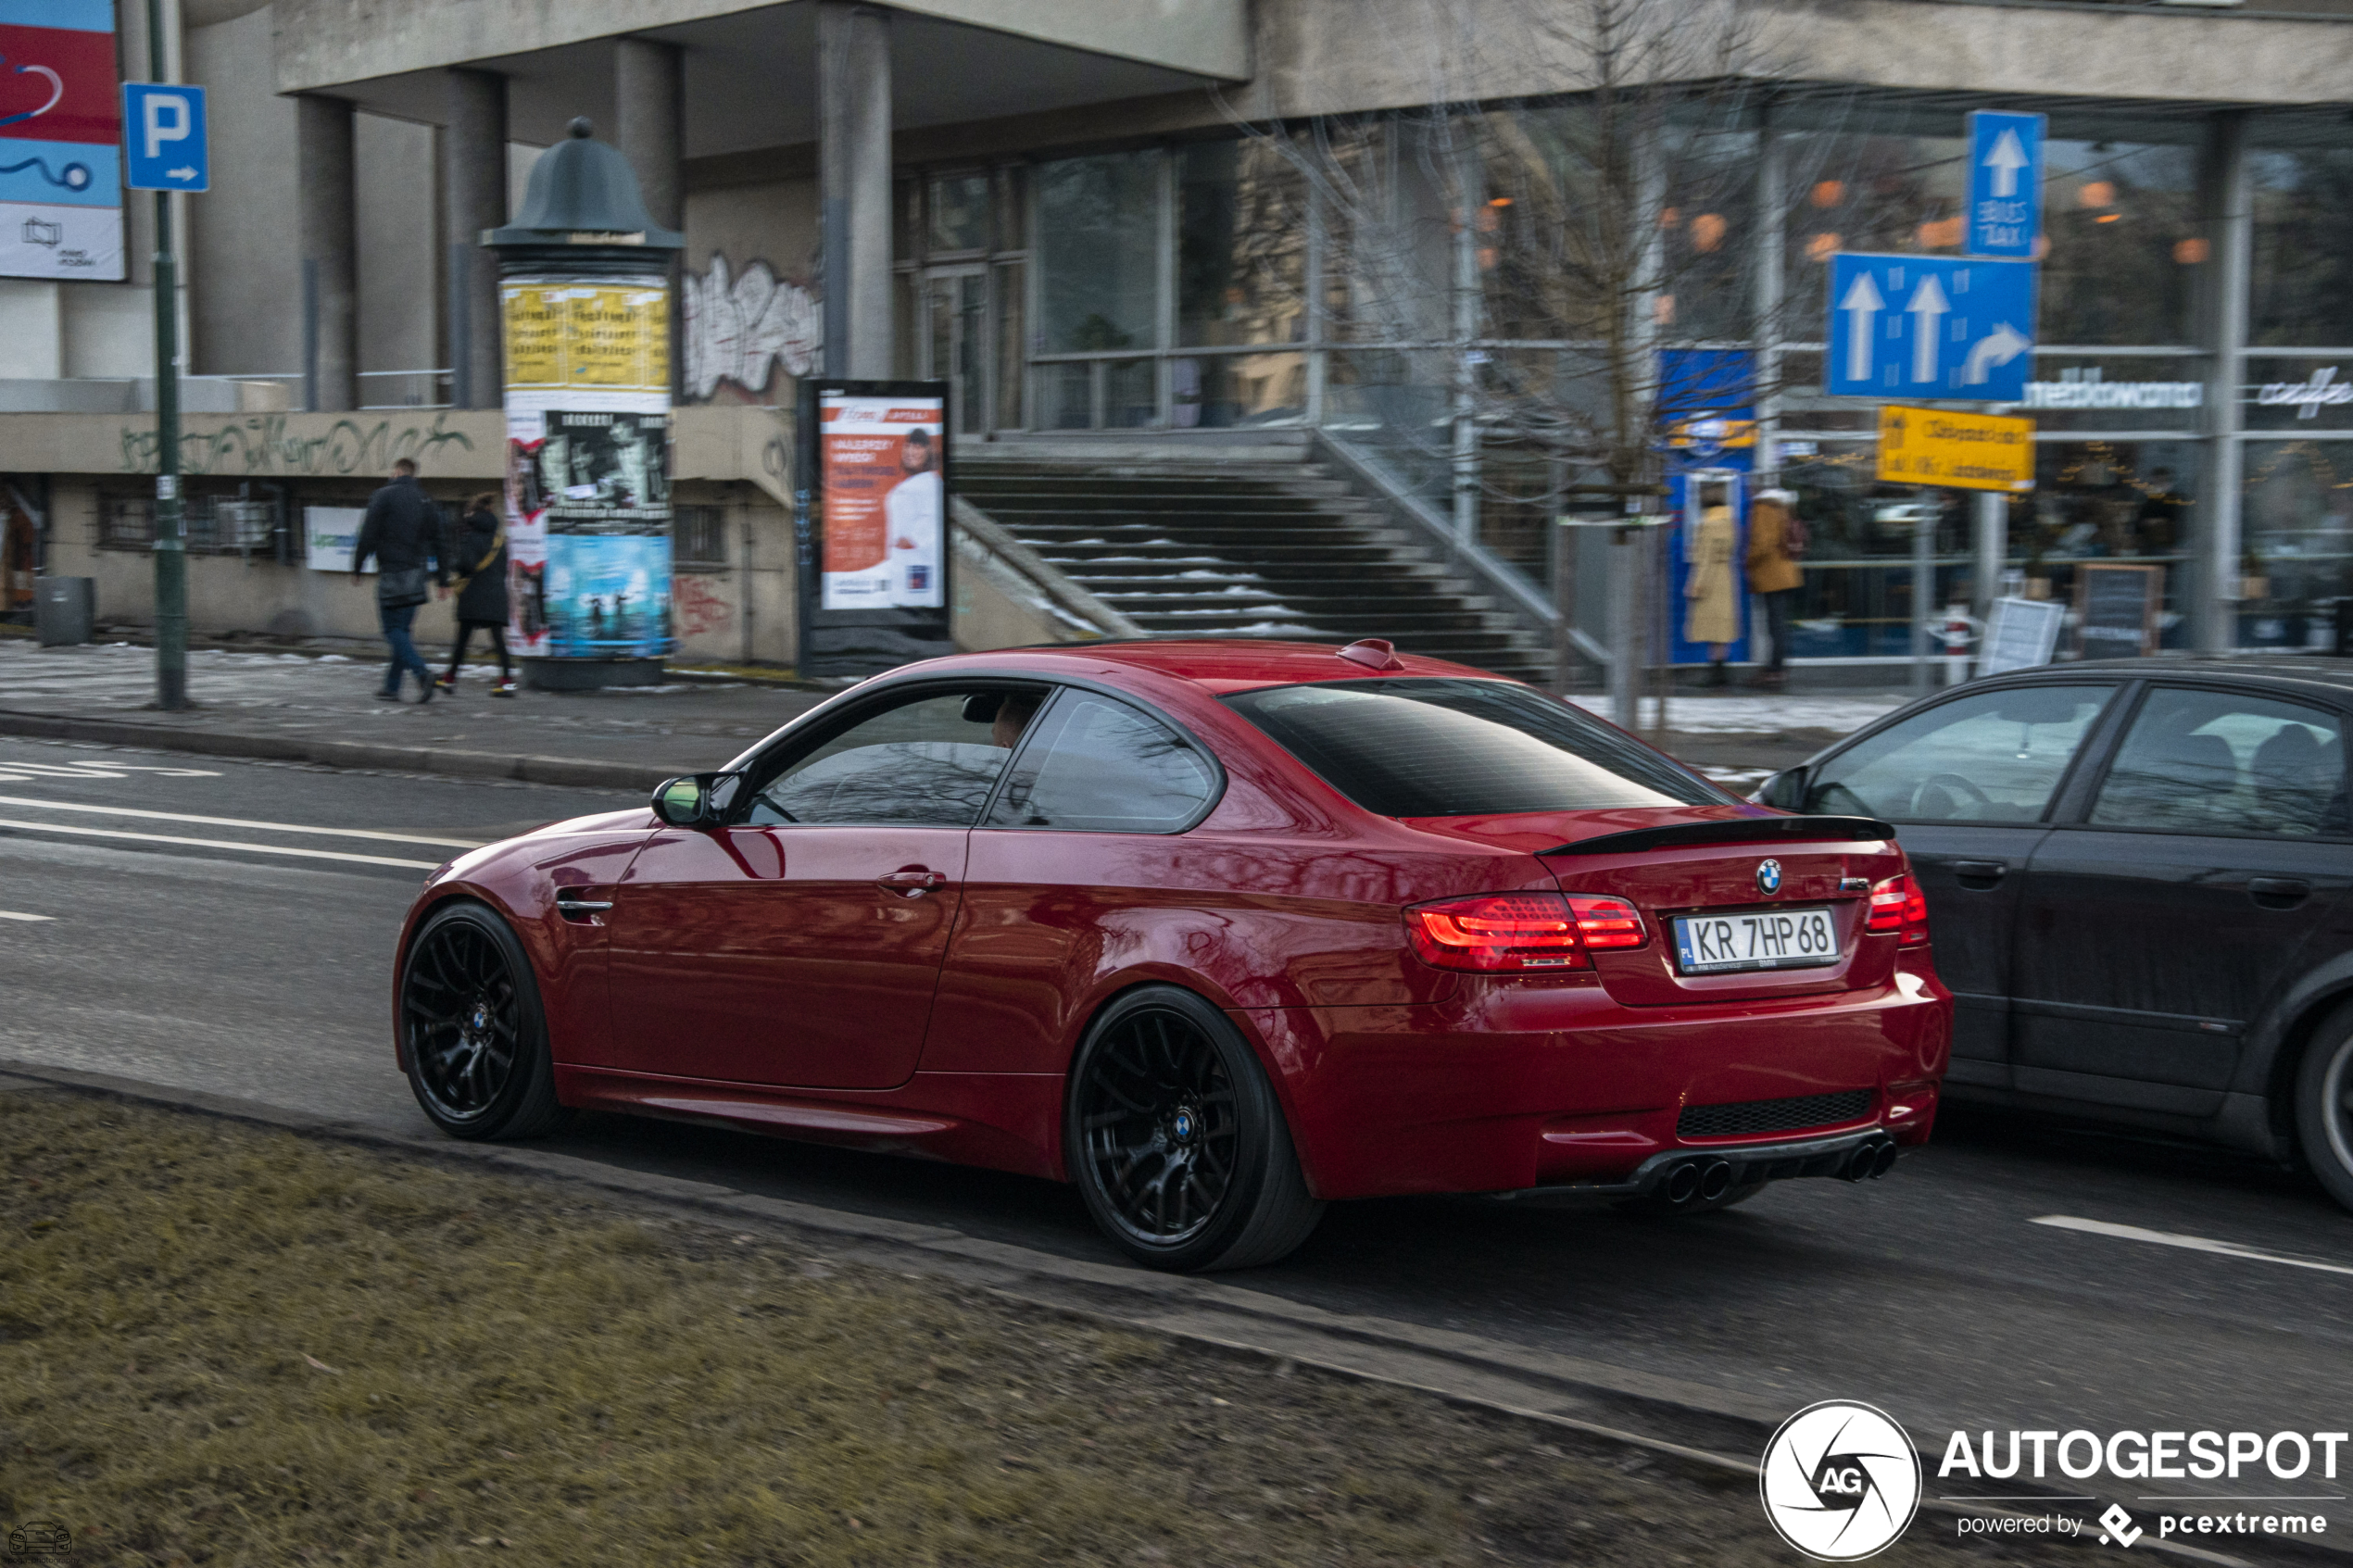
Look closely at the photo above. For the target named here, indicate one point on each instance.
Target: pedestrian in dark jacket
(402, 532)
(479, 564)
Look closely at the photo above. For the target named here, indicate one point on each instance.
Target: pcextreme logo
(1840, 1480)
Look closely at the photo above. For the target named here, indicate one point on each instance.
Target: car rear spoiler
(1740, 830)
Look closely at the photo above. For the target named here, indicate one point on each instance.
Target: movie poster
(588, 468)
(880, 462)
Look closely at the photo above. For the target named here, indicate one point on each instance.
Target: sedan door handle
(1987, 872)
(2279, 892)
(912, 882)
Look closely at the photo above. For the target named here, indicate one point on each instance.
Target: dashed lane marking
(20, 914)
(220, 844)
(2192, 1243)
(240, 823)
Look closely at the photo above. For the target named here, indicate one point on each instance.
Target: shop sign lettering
(2322, 389)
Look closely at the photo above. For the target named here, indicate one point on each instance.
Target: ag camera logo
(1841, 1481)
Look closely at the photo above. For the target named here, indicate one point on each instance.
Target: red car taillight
(1520, 931)
(1898, 905)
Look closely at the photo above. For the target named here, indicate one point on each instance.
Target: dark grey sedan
(2136, 872)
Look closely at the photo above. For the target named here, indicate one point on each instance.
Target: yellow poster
(590, 337)
(1965, 451)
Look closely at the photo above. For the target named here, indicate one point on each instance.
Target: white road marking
(2193, 1243)
(19, 914)
(220, 843)
(32, 773)
(240, 823)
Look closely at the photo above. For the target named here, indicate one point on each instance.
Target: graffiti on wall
(742, 329)
(698, 610)
(262, 444)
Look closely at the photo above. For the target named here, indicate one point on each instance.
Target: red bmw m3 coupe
(1219, 931)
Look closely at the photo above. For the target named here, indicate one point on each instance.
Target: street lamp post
(172, 551)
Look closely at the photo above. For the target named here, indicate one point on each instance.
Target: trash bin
(64, 609)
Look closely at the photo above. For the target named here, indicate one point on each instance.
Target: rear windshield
(1460, 748)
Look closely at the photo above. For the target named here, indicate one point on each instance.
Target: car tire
(1176, 1141)
(472, 1031)
(2324, 1104)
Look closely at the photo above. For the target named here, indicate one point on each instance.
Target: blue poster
(607, 596)
(1706, 404)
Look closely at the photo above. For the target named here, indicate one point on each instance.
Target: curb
(577, 772)
(1534, 1385)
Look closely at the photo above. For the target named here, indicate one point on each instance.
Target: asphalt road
(210, 955)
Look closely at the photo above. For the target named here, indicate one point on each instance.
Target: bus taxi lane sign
(1963, 451)
(2004, 215)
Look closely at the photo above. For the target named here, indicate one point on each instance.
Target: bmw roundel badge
(1768, 876)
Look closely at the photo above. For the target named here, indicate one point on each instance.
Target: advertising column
(585, 307)
(60, 141)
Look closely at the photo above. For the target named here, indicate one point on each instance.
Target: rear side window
(1995, 757)
(1460, 748)
(1100, 766)
(2221, 763)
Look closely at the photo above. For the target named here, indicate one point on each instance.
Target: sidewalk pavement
(323, 709)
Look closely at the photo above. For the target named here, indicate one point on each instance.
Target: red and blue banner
(61, 141)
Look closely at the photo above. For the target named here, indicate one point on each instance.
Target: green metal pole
(171, 553)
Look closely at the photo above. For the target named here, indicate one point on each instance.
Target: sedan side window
(929, 762)
(2221, 763)
(1100, 766)
(1996, 756)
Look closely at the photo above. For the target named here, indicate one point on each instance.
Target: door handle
(913, 882)
(2279, 892)
(1980, 874)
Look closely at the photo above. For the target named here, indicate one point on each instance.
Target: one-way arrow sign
(2004, 215)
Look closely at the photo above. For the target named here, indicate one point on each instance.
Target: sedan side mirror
(697, 800)
(1785, 790)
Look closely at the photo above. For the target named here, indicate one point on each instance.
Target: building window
(1098, 227)
(126, 522)
(698, 538)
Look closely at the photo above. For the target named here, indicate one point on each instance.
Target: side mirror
(697, 800)
(1785, 790)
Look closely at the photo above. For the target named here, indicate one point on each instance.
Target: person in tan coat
(1712, 610)
(1775, 539)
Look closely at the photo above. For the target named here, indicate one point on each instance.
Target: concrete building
(1136, 232)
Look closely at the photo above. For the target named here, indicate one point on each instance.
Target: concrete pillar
(328, 224)
(649, 124)
(853, 178)
(2214, 579)
(473, 184)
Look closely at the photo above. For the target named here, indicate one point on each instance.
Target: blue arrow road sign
(163, 138)
(1930, 326)
(2005, 183)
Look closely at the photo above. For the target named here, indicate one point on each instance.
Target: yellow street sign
(1966, 451)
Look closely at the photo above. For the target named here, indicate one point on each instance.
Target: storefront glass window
(2296, 535)
(2301, 288)
(1242, 246)
(1096, 244)
(2123, 252)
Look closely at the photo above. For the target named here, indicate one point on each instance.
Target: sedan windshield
(1459, 748)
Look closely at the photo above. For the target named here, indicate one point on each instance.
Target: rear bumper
(1506, 1086)
(1833, 1156)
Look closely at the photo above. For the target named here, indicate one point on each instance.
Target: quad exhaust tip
(1705, 1180)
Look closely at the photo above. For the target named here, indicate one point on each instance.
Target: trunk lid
(1705, 860)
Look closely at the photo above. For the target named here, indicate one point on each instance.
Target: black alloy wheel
(1177, 1142)
(2324, 1104)
(472, 1031)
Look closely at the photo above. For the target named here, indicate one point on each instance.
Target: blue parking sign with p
(2004, 215)
(163, 137)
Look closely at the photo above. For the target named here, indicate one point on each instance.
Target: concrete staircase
(1192, 537)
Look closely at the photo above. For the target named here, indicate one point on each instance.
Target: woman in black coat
(479, 564)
